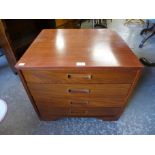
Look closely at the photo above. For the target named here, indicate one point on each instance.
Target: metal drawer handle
(79, 102)
(79, 76)
(84, 91)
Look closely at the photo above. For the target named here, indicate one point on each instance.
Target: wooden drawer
(79, 111)
(105, 76)
(49, 103)
(94, 111)
(81, 90)
(54, 111)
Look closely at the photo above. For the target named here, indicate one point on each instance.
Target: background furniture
(147, 62)
(150, 28)
(68, 23)
(4, 43)
(79, 73)
(16, 36)
(1, 53)
(99, 23)
(138, 21)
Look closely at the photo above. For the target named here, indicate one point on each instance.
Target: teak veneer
(79, 73)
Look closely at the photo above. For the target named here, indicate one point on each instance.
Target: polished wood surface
(79, 90)
(50, 102)
(76, 76)
(79, 112)
(79, 73)
(65, 48)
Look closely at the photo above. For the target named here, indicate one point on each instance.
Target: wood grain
(75, 76)
(50, 102)
(46, 113)
(62, 90)
(64, 48)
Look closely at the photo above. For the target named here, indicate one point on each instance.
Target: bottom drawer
(85, 111)
(94, 111)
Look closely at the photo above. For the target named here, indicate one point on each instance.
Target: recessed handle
(79, 102)
(84, 76)
(75, 91)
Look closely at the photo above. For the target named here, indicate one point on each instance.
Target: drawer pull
(84, 91)
(79, 76)
(79, 102)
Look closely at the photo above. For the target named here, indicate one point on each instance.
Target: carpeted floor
(138, 117)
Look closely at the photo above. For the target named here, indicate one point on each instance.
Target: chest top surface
(55, 48)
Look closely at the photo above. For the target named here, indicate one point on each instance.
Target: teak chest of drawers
(79, 73)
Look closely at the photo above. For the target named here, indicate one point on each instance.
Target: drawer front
(94, 111)
(105, 76)
(49, 103)
(54, 111)
(80, 91)
(79, 111)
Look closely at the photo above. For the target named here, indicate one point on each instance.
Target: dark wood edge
(136, 79)
(7, 49)
(28, 92)
(7, 35)
(78, 68)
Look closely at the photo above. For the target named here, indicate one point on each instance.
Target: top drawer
(105, 76)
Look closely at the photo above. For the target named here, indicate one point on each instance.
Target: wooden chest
(79, 73)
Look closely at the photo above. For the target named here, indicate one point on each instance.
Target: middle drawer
(78, 90)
